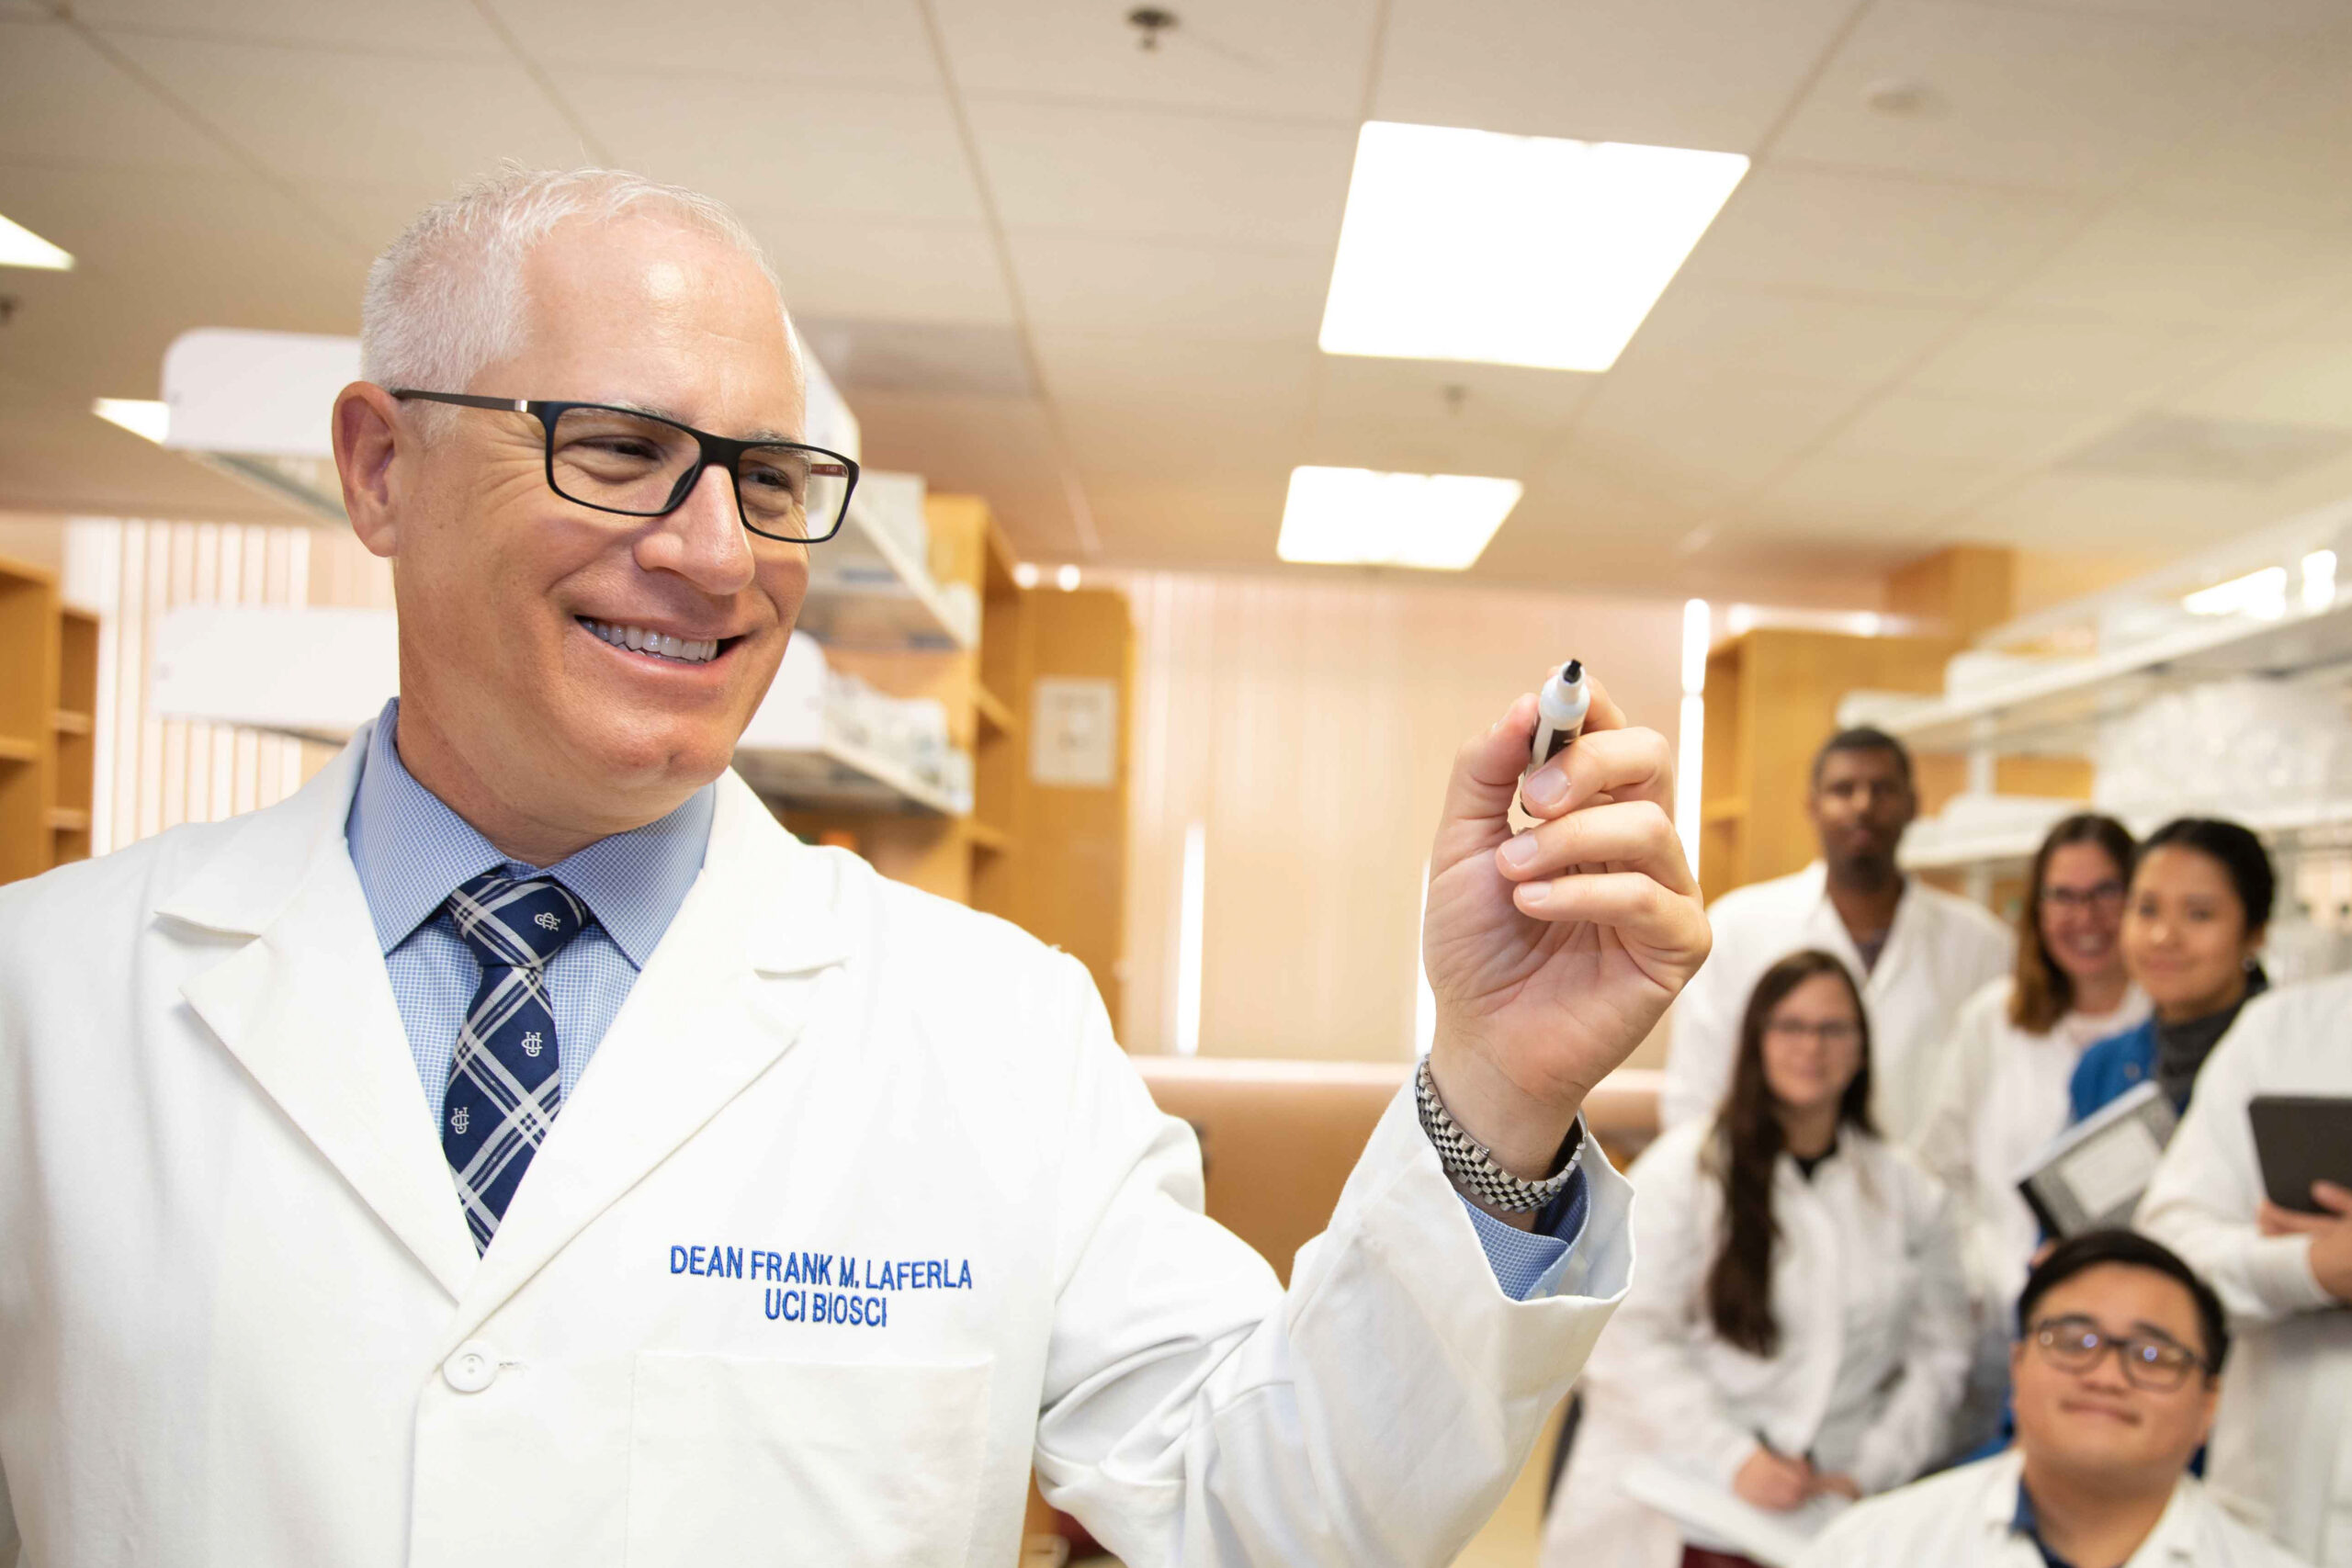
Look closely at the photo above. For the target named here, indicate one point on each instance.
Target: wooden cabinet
(49, 687)
(1772, 696)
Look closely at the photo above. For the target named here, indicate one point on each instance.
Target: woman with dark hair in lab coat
(1798, 1330)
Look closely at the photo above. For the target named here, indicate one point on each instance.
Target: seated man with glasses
(2117, 1368)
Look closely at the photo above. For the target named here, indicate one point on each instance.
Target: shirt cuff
(1527, 1264)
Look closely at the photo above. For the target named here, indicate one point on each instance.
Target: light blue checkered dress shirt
(412, 852)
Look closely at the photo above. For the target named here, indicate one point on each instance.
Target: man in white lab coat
(2116, 1367)
(2282, 1442)
(324, 1240)
(1916, 951)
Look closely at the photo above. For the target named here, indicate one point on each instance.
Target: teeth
(687, 650)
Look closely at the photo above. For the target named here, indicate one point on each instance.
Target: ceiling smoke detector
(1150, 22)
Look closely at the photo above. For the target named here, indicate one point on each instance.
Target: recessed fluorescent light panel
(1361, 517)
(19, 246)
(141, 416)
(1513, 250)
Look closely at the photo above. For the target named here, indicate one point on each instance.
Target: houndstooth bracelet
(1468, 1164)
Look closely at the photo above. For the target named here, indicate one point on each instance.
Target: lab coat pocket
(752, 1460)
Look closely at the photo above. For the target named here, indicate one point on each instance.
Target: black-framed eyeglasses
(2076, 1343)
(641, 465)
(2105, 895)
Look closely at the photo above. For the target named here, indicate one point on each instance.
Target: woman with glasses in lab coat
(1798, 1331)
(2013, 1049)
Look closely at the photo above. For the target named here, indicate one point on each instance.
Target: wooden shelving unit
(50, 690)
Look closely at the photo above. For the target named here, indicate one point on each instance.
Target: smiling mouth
(656, 644)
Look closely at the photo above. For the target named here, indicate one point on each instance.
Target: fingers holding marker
(1622, 763)
(1630, 835)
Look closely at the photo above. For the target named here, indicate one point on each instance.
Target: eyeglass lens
(1827, 1034)
(2150, 1364)
(625, 462)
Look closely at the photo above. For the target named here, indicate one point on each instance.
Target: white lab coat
(1874, 1333)
(2000, 1099)
(1961, 1519)
(241, 1320)
(1940, 951)
(2282, 1454)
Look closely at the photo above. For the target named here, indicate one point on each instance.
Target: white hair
(445, 298)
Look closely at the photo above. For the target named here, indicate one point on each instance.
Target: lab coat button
(470, 1368)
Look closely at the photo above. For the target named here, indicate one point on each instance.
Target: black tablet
(2301, 1138)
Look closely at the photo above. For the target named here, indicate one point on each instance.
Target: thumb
(1484, 782)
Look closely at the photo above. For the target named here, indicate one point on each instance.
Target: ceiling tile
(1002, 448)
(2039, 356)
(825, 149)
(1600, 70)
(2303, 21)
(1090, 283)
(1825, 231)
(2096, 511)
(160, 252)
(396, 119)
(63, 103)
(1850, 493)
(1817, 337)
(1171, 405)
(1692, 433)
(2285, 151)
(1158, 174)
(882, 271)
(2151, 261)
(1304, 58)
(1227, 518)
(2294, 383)
(412, 26)
(780, 43)
(2019, 97)
(1419, 416)
(1925, 426)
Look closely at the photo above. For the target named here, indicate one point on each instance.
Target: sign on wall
(1074, 732)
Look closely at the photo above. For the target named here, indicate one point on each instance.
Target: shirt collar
(2024, 1523)
(412, 852)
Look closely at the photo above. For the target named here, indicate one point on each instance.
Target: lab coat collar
(305, 1004)
(2174, 1539)
(726, 994)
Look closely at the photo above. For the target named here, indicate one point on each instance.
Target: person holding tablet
(1798, 1330)
(2281, 1453)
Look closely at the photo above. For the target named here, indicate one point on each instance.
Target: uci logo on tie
(533, 1043)
(458, 1121)
(547, 921)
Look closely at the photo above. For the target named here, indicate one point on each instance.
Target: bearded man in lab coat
(1916, 951)
(324, 1240)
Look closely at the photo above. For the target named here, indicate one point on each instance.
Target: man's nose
(703, 540)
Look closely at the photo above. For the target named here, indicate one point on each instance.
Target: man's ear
(367, 438)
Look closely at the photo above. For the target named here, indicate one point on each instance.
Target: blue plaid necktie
(503, 1087)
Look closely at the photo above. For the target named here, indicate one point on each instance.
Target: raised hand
(1553, 952)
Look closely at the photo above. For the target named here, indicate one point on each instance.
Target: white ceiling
(1085, 279)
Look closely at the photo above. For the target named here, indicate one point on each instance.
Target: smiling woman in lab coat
(1799, 1329)
(2006, 1069)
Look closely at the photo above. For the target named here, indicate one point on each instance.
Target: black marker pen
(1560, 708)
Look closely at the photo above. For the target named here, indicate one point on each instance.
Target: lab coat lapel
(306, 1006)
(1824, 929)
(724, 994)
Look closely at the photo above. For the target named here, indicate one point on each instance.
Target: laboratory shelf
(2051, 710)
(1926, 850)
(867, 590)
(837, 773)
